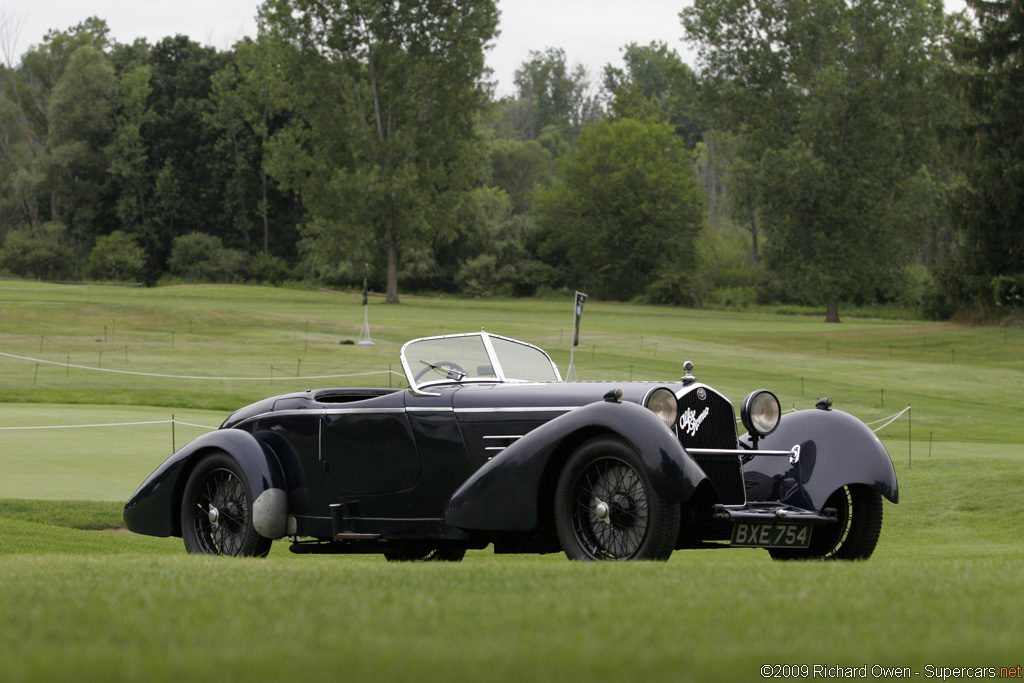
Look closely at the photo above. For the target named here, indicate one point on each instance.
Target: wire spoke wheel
(612, 510)
(216, 512)
(605, 508)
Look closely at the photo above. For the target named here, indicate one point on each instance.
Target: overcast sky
(591, 32)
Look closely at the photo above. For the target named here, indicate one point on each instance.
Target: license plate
(774, 535)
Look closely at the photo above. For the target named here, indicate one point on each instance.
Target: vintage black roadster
(488, 445)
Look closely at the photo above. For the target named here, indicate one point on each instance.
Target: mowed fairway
(944, 588)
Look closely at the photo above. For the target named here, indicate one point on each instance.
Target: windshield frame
(411, 366)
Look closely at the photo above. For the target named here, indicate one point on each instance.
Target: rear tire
(855, 533)
(606, 508)
(216, 510)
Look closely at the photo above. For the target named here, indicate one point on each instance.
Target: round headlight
(663, 403)
(761, 413)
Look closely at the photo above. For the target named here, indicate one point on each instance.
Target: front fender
(154, 509)
(503, 494)
(836, 450)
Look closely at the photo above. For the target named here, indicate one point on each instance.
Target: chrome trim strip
(793, 454)
(495, 448)
(521, 409)
(363, 411)
(510, 436)
(319, 412)
(735, 451)
(430, 409)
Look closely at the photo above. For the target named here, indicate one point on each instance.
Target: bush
(272, 269)
(481, 277)
(118, 257)
(198, 257)
(733, 298)
(1008, 290)
(37, 254)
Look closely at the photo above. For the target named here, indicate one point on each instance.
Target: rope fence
(193, 377)
(111, 424)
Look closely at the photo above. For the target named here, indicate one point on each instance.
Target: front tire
(606, 508)
(216, 510)
(853, 536)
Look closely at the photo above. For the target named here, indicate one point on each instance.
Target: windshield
(475, 357)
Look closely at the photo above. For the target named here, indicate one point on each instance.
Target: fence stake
(910, 440)
(173, 444)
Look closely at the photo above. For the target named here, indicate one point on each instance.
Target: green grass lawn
(943, 588)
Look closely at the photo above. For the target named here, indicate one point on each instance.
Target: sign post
(581, 298)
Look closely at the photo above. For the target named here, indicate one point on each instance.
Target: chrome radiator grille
(711, 423)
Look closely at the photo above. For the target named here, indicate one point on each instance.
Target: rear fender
(836, 450)
(504, 493)
(154, 509)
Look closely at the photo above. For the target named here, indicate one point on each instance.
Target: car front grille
(715, 428)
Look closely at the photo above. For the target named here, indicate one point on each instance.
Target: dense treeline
(817, 153)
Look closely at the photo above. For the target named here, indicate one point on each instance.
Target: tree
(833, 100)
(249, 105)
(989, 209)
(183, 164)
(521, 168)
(80, 117)
(657, 75)
(626, 218)
(129, 165)
(391, 91)
(24, 115)
(549, 93)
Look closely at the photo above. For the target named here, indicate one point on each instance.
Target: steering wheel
(440, 365)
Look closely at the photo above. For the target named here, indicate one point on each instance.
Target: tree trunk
(391, 242)
(753, 235)
(832, 307)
